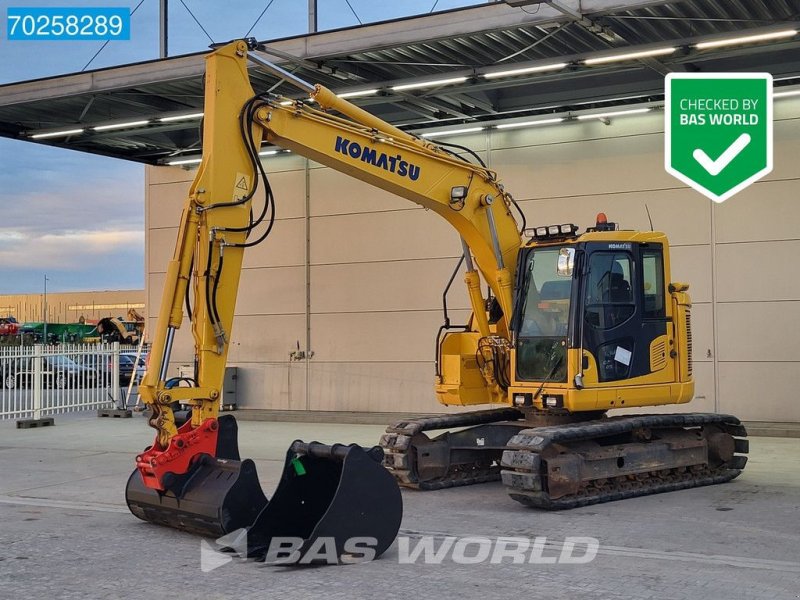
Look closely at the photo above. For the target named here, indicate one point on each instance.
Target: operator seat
(618, 290)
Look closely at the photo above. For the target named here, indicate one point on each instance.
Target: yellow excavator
(573, 325)
(115, 329)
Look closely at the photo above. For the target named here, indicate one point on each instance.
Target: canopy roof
(465, 45)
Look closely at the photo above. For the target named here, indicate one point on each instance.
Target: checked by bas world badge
(718, 130)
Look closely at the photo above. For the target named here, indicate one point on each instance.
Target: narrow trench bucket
(339, 500)
(338, 496)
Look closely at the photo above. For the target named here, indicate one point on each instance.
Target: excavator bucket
(337, 503)
(220, 497)
(220, 494)
(333, 501)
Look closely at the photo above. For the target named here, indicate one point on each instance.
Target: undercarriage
(551, 461)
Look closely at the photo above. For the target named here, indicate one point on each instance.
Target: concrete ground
(65, 531)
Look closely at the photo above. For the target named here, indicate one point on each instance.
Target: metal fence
(38, 381)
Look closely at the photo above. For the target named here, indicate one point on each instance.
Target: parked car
(103, 366)
(9, 326)
(57, 372)
(141, 366)
(7, 369)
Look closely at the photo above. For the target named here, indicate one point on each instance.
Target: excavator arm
(214, 227)
(192, 477)
(217, 220)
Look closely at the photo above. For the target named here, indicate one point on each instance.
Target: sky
(78, 218)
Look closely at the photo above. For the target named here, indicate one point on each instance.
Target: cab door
(624, 321)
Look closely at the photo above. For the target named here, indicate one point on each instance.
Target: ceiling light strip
(197, 160)
(746, 39)
(121, 125)
(185, 161)
(423, 84)
(629, 56)
(52, 134)
(615, 113)
(181, 117)
(437, 134)
(530, 123)
(526, 70)
(358, 94)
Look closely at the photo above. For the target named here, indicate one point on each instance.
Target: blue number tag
(68, 23)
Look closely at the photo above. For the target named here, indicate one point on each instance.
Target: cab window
(609, 290)
(543, 318)
(653, 283)
(546, 307)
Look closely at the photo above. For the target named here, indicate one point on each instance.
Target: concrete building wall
(355, 274)
(69, 307)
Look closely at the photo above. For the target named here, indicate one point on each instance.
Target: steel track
(524, 470)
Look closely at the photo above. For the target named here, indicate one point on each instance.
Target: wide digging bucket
(332, 502)
(217, 497)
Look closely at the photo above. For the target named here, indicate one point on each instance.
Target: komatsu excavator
(573, 325)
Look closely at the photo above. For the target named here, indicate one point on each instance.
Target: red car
(9, 326)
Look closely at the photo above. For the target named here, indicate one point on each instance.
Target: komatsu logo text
(391, 163)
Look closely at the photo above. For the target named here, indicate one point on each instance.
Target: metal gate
(38, 381)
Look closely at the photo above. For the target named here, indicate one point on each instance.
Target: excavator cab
(595, 316)
(596, 324)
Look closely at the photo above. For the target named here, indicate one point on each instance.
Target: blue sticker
(66, 23)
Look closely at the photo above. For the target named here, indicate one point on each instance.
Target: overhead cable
(263, 12)
(198, 22)
(91, 60)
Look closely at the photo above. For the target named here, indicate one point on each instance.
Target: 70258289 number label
(68, 23)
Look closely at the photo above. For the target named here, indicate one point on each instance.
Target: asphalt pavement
(65, 531)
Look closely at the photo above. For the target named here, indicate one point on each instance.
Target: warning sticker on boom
(241, 187)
